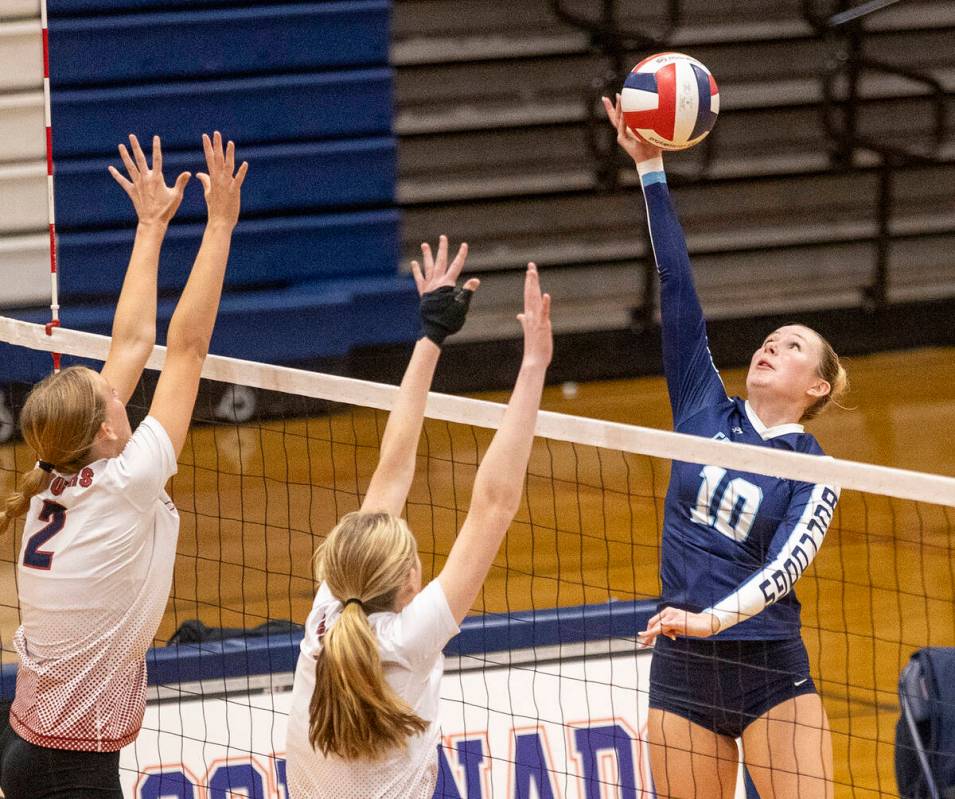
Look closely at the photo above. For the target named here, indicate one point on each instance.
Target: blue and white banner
(567, 728)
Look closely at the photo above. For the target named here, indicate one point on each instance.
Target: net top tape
(851, 475)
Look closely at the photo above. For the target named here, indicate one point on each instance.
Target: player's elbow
(186, 340)
(497, 498)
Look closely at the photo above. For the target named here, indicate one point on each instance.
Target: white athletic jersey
(410, 644)
(94, 574)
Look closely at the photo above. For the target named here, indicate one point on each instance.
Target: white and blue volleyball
(670, 101)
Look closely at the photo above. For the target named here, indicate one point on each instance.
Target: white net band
(850, 475)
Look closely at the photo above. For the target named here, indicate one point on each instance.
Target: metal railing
(841, 24)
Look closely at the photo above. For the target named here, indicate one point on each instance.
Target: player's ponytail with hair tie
(354, 713)
(60, 419)
(17, 503)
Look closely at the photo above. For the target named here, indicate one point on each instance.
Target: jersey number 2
(33, 556)
(729, 507)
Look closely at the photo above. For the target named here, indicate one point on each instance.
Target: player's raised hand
(673, 622)
(222, 184)
(434, 272)
(632, 144)
(538, 338)
(153, 200)
(443, 306)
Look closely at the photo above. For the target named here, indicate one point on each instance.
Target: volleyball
(670, 101)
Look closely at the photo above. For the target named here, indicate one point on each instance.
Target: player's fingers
(545, 307)
(608, 107)
(117, 176)
(473, 284)
(441, 262)
(181, 182)
(217, 148)
(207, 150)
(157, 155)
(418, 277)
(230, 157)
(204, 180)
(454, 271)
(138, 153)
(131, 169)
(427, 258)
(532, 291)
(240, 175)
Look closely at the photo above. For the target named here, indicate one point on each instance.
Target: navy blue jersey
(734, 543)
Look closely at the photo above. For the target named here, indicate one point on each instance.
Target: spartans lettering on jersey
(84, 480)
(808, 533)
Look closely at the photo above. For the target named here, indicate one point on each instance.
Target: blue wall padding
(150, 47)
(264, 252)
(284, 178)
(281, 108)
(296, 323)
(240, 657)
(480, 635)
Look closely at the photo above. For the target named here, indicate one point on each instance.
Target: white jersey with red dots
(409, 644)
(94, 572)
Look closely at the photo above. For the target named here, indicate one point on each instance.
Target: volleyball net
(545, 693)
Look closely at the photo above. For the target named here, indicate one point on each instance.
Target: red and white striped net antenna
(51, 209)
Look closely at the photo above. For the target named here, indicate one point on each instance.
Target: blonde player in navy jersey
(734, 544)
(364, 716)
(99, 539)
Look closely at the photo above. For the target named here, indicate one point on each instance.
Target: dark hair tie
(45, 466)
(347, 602)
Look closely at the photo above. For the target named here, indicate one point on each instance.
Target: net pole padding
(51, 208)
(666, 444)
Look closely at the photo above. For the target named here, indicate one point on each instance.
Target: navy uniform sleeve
(793, 547)
(692, 379)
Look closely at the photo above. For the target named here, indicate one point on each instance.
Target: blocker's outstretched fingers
(418, 277)
(454, 270)
(441, 263)
(131, 168)
(157, 155)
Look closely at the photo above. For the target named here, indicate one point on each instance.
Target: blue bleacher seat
(265, 252)
(286, 178)
(279, 108)
(222, 41)
(305, 90)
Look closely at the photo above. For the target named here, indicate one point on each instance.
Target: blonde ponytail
(17, 503)
(354, 713)
(59, 421)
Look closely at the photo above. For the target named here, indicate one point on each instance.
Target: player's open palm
(222, 184)
(434, 271)
(153, 200)
(538, 339)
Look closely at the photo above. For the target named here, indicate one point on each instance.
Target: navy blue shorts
(726, 685)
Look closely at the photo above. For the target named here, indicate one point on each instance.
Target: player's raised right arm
(692, 378)
(500, 478)
(190, 329)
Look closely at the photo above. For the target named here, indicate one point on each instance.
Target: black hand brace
(443, 312)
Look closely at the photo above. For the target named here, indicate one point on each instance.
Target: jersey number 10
(729, 506)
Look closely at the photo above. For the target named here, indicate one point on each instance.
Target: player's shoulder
(807, 443)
